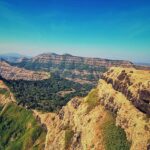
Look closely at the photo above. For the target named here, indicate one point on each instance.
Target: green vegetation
(49, 66)
(23, 131)
(5, 92)
(1, 108)
(68, 137)
(92, 99)
(65, 69)
(114, 137)
(43, 95)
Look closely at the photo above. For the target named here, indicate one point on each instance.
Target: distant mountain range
(67, 59)
(12, 57)
(78, 69)
(83, 70)
(142, 64)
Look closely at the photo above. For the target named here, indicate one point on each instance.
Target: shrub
(68, 137)
(3, 91)
(114, 137)
(92, 99)
(1, 108)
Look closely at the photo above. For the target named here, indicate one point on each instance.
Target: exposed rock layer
(66, 58)
(78, 69)
(134, 84)
(14, 73)
(135, 123)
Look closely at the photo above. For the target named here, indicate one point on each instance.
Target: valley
(45, 95)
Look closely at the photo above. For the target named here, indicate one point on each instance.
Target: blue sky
(118, 29)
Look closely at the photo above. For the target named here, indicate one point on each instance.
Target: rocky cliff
(77, 69)
(84, 123)
(132, 83)
(69, 59)
(14, 73)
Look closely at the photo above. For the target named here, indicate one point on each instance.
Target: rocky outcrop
(73, 128)
(135, 123)
(82, 119)
(134, 84)
(14, 73)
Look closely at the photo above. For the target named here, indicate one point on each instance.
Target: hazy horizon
(104, 29)
(29, 56)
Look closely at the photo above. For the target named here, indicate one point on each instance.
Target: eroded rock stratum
(122, 96)
(15, 73)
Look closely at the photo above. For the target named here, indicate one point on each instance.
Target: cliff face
(132, 83)
(67, 59)
(79, 69)
(81, 123)
(14, 73)
(135, 123)
(74, 128)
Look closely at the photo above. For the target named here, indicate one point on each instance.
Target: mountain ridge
(78, 59)
(77, 69)
(12, 57)
(84, 120)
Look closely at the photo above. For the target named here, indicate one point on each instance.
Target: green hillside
(19, 130)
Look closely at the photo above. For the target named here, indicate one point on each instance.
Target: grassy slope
(114, 137)
(19, 129)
